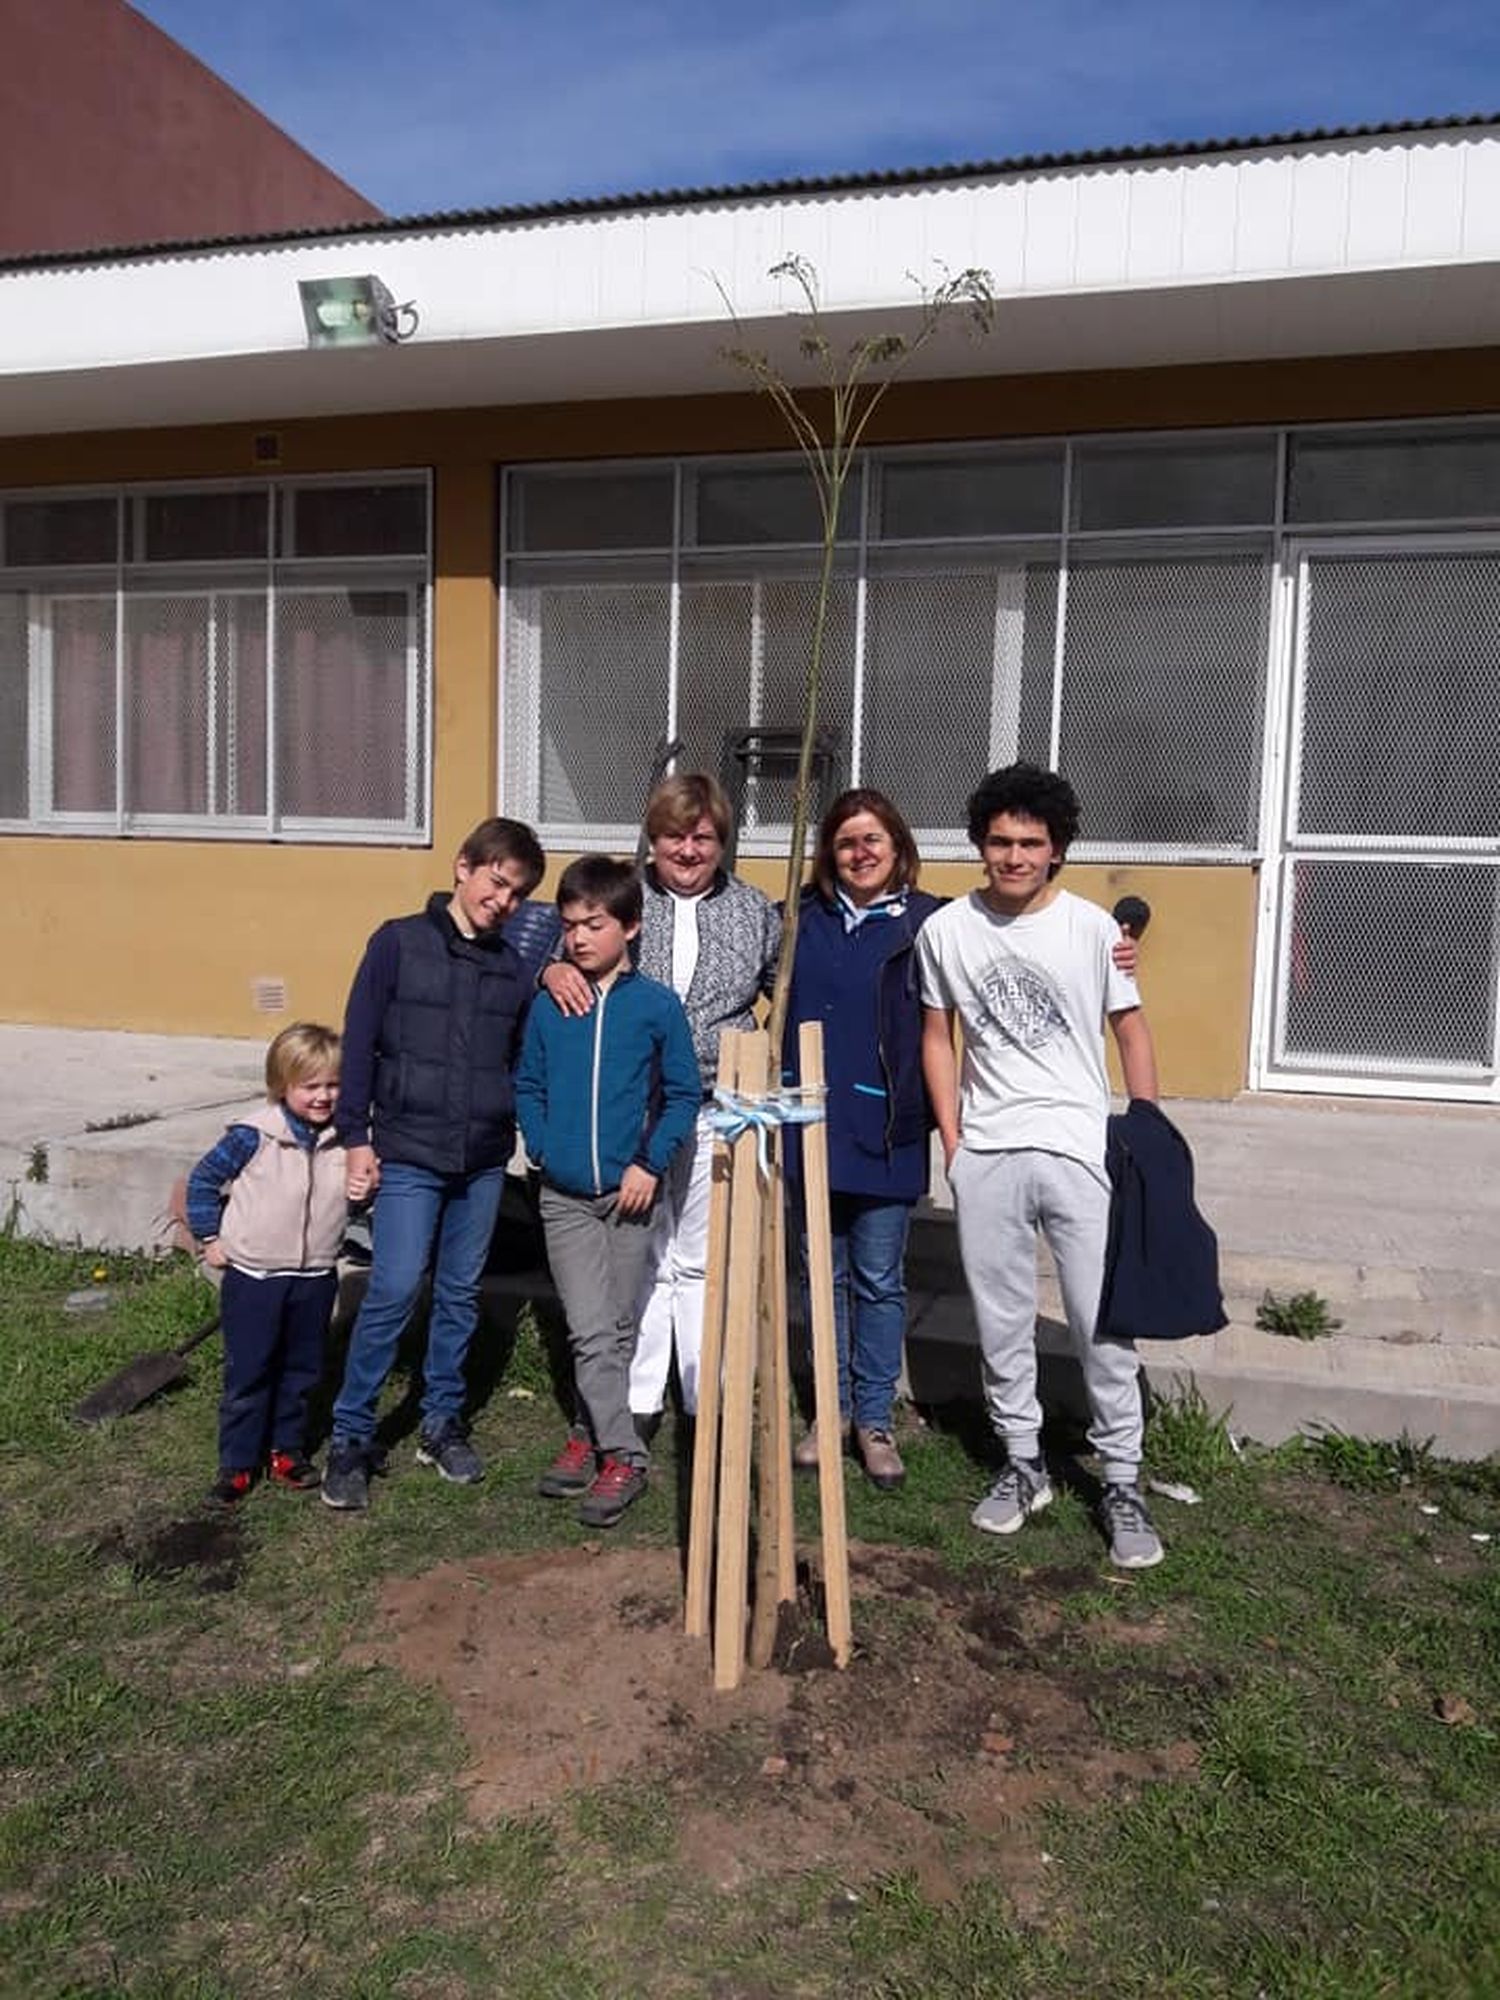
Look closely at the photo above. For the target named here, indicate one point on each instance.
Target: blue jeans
(869, 1302)
(414, 1206)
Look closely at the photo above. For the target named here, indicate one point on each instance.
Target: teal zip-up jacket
(616, 1087)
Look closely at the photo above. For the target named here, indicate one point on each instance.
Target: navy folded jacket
(1161, 1269)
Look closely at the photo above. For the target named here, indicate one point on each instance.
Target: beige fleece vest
(287, 1208)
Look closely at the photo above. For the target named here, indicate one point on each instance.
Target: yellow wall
(172, 935)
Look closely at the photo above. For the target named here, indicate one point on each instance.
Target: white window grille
(248, 661)
(961, 634)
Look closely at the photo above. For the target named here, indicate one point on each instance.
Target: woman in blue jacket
(855, 972)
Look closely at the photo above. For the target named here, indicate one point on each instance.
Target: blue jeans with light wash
(415, 1208)
(869, 1302)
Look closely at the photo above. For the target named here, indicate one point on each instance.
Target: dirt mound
(966, 1705)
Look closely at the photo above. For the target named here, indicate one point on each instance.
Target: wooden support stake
(775, 1545)
(825, 1356)
(732, 1572)
(700, 1553)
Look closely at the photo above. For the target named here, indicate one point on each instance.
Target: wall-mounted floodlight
(353, 312)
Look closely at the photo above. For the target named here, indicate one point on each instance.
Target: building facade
(1211, 520)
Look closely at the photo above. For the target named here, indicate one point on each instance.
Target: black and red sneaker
(571, 1472)
(618, 1486)
(291, 1469)
(231, 1486)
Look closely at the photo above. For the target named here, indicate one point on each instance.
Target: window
(967, 627)
(203, 684)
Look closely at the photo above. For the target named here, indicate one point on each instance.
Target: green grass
(203, 1797)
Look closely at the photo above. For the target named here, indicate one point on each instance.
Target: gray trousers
(598, 1260)
(1002, 1200)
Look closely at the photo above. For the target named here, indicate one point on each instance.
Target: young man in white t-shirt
(1027, 969)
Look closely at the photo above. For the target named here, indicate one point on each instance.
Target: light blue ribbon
(732, 1115)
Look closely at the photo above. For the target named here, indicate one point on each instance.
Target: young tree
(828, 422)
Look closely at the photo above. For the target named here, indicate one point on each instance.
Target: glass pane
(167, 642)
(1390, 965)
(203, 527)
(601, 651)
(1352, 477)
(1194, 485)
(957, 665)
(743, 505)
(1017, 494)
(345, 660)
(358, 520)
(590, 510)
(1163, 681)
(744, 648)
(195, 716)
(59, 531)
(15, 792)
(1401, 709)
(80, 641)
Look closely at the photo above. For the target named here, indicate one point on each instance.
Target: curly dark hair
(1034, 794)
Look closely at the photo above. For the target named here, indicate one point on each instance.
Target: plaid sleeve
(205, 1188)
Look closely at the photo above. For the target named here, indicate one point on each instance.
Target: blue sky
(481, 103)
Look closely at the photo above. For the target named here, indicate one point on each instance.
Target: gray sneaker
(617, 1486)
(1023, 1489)
(346, 1478)
(450, 1452)
(1133, 1541)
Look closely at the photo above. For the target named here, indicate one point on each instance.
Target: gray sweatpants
(598, 1260)
(1002, 1200)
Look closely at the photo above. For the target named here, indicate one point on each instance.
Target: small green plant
(37, 1164)
(1185, 1439)
(1298, 1316)
(1371, 1465)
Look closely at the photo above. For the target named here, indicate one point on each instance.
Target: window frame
(276, 576)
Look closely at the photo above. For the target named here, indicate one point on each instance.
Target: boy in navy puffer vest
(427, 1110)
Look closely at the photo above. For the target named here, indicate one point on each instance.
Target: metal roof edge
(645, 201)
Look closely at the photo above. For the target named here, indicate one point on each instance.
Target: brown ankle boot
(805, 1450)
(883, 1467)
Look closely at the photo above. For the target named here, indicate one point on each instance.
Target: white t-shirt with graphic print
(1031, 993)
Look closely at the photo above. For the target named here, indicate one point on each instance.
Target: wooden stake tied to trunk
(745, 1337)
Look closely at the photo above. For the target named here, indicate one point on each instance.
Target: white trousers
(672, 1304)
(1002, 1200)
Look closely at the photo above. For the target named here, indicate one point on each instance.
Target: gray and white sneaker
(1133, 1541)
(449, 1451)
(1023, 1489)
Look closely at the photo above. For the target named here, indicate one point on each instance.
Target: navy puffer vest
(446, 1047)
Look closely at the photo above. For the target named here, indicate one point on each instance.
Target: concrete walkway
(1390, 1212)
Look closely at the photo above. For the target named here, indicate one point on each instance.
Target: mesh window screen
(743, 654)
(603, 696)
(345, 741)
(1390, 965)
(79, 639)
(1401, 703)
(1163, 683)
(168, 646)
(958, 675)
(15, 705)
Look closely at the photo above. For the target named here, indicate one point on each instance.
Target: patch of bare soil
(967, 1705)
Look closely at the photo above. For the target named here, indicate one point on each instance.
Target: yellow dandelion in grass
(101, 1272)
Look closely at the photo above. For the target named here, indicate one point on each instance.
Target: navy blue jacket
(430, 1034)
(615, 1087)
(1161, 1268)
(862, 985)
